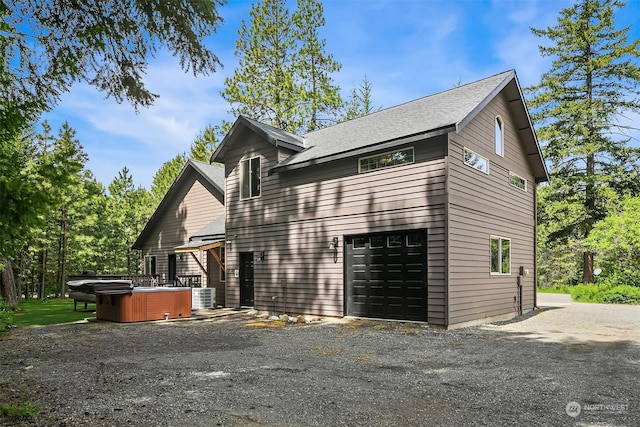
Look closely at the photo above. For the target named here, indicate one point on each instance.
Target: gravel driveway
(244, 371)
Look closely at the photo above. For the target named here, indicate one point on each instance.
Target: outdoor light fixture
(334, 243)
(334, 246)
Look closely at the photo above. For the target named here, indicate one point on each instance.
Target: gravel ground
(244, 371)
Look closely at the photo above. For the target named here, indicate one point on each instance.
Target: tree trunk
(587, 272)
(8, 283)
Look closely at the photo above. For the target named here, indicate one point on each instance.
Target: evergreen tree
(128, 210)
(205, 144)
(592, 83)
(283, 77)
(164, 178)
(319, 99)
(359, 103)
(263, 85)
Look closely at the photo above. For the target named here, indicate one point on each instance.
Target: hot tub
(142, 304)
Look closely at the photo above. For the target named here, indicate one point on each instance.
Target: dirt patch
(232, 372)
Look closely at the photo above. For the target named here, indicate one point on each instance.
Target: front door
(246, 279)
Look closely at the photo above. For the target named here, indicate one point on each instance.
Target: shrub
(604, 293)
(558, 289)
(6, 315)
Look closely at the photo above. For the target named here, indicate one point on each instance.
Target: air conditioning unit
(203, 298)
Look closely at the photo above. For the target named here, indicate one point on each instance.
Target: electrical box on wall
(236, 273)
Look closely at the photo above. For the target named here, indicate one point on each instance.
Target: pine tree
(578, 104)
(360, 102)
(319, 98)
(283, 76)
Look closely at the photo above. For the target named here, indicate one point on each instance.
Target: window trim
(248, 161)
(498, 122)
(500, 239)
(464, 159)
(413, 159)
(515, 175)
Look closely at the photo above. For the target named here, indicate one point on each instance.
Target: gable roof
(443, 112)
(210, 176)
(278, 137)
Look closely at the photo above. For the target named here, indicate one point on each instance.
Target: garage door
(386, 275)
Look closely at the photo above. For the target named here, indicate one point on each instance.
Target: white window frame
(388, 153)
(149, 262)
(244, 163)
(498, 123)
(500, 239)
(466, 150)
(515, 175)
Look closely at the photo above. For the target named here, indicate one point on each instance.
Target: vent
(203, 298)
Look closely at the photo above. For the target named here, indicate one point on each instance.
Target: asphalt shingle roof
(441, 110)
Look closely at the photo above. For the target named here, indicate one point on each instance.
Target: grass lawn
(50, 311)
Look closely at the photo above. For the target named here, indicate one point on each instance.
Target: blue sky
(407, 49)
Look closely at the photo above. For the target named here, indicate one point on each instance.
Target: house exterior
(182, 244)
(424, 211)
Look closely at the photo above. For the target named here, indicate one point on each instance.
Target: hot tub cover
(90, 286)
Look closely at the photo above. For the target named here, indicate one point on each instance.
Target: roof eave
(364, 150)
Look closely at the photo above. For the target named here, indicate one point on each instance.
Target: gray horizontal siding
(481, 205)
(300, 211)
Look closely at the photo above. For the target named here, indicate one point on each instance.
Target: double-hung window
(250, 178)
(500, 255)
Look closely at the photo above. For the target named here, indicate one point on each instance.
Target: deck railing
(189, 281)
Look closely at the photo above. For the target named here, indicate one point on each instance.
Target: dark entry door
(246, 279)
(386, 275)
(172, 268)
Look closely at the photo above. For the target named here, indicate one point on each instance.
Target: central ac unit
(203, 298)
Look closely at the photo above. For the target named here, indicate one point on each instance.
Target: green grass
(555, 289)
(49, 312)
(21, 411)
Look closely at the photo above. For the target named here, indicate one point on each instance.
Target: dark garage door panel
(386, 275)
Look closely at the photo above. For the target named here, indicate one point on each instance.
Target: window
(150, 265)
(476, 161)
(499, 137)
(250, 178)
(414, 239)
(359, 243)
(394, 241)
(500, 255)
(377, 242)
(222, 273)
(385, 160)
(517, 181)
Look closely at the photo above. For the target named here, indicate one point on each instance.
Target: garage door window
(414, 239)
(394, 241)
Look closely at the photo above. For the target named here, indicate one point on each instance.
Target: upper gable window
(499, 137)
(385, 160)
(475, 160)
(250, 178)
